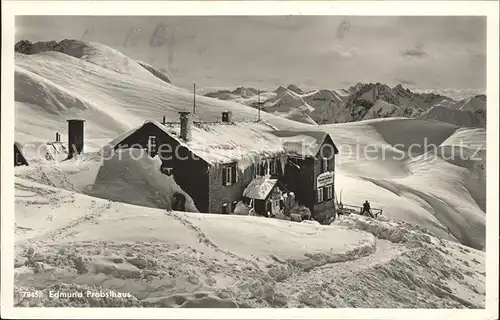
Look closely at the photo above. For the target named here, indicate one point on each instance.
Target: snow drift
(427, 173)
(128, 176)
(158, 258)
(131, 176)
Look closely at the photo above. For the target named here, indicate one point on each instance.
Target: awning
(259, 188)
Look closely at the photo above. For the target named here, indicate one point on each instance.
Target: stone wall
(220, 194)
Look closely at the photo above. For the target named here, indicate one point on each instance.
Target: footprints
(202, 237)
(88, 218)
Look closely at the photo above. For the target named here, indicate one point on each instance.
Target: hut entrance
(179, 202)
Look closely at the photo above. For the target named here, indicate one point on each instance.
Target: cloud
(329, 49)
(340, 52)
(417, 51)
(405, 82)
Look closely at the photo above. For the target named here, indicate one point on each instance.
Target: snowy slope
(462, 117)
(58, 86)
(175, 259)
(157, 73)
(440, 187)
(110, 101)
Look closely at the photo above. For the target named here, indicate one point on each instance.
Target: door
(275, 206)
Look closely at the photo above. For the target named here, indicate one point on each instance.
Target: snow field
(438, 183)
(176, 259)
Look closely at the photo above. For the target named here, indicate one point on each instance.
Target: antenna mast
(194, 98)
(258, 103)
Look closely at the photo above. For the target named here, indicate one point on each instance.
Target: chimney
(163, 122)
(58, 137)
(75, 137)
(227, 116)
(185, 119)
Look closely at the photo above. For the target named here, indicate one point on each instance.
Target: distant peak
(295, 89)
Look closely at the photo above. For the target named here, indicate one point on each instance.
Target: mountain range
(362, 101)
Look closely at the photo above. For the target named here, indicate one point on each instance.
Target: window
(151, 144)
(167, 171)
(328, 192)
(274, 166)
(325, 165)
(319, 195)
(229, 175)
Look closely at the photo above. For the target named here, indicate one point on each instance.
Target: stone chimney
(75, 137)
(185, 119)
(227, 116)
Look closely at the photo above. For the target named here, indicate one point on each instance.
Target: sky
(313, 52)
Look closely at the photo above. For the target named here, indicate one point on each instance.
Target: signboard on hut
(324, 179)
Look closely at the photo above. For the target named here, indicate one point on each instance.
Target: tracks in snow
(202, 237)
(87, 218)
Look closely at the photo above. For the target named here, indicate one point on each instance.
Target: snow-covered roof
(221, 142)
(259, 188)
(225, 142)
(303, 143)
(37, 151)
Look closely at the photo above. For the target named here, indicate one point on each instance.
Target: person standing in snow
(367, 209)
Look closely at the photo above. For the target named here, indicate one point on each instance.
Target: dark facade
(19, 159)
(312, 179)
(216, 188)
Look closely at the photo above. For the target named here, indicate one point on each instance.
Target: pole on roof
(194, 98)
(258, 103)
